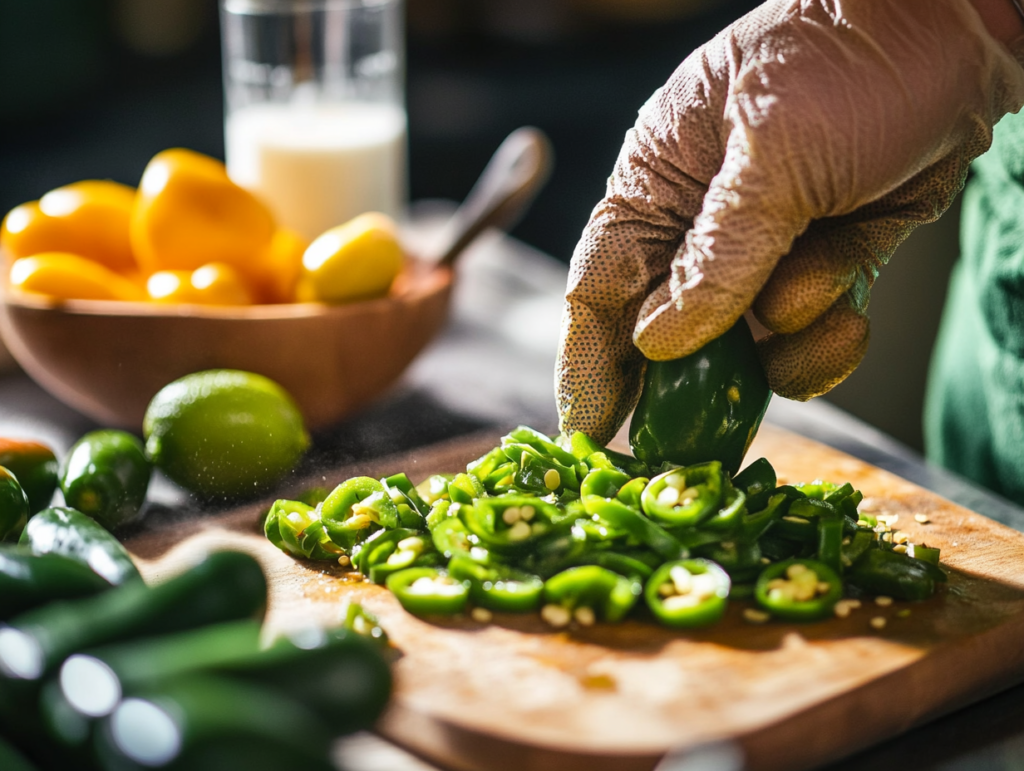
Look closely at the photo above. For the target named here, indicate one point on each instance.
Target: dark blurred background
(94, 88)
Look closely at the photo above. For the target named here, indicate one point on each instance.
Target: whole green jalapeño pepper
(35, 466)
(880, 571)
(702, 407)
(14, 505)
(106, 475)
(688, 593)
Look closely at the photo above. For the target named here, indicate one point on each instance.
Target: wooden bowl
(108, 359)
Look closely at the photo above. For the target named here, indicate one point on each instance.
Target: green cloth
(974, 408)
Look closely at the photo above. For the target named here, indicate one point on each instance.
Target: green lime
(224, 433)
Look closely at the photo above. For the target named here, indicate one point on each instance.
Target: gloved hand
(778, 168)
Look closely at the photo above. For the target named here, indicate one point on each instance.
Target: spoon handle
(515, 174)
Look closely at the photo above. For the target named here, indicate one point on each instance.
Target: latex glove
(778, 168)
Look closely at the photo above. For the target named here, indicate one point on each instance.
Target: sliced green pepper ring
(757, 480)
(434, 488)
(608, 594)
(631, 492)
(357, 508)
(684, 497)
(542, 474)
(729, 516)
(450, 536)
(688, 593)
(295, 527)
(603, 482)
(524, 435)
(755, 524)
(408, 489)
(509, 522)
(830, 542)
(798, 590)
(465, 488)
(428, 591)
(619, 515)
(496, 587)
(486, 465)
(740, 559)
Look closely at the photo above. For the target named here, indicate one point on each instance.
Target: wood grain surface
(514, 694)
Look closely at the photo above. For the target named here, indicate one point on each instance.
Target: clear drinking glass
(315, 120)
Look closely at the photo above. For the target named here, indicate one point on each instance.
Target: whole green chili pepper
(14, 506)
(35, 466)
(702, 407)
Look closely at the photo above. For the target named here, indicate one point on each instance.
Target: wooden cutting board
(516, 695)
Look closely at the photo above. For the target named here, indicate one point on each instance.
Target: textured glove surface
(777, 169)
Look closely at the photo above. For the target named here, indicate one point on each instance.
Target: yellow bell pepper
(66, 276)
(214, 284)
(189, 213)
(354, 261)
(88, 218)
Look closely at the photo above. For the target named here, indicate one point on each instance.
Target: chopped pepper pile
(581, 533)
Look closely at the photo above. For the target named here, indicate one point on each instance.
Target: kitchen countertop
(492, 369)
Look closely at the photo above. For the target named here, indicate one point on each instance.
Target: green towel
(974, 408)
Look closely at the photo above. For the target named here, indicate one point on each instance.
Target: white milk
(318, 166)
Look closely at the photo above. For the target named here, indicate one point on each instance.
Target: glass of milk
(315, 120)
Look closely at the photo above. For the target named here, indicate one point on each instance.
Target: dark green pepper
(881, 571)
(14, 506)
(702, 407)
(70, 533)
(757, 481)
(105, 475)
(29, 580)
(225, 586)
(429, 591)
(798, 590)
(688, 593)
(35, 466)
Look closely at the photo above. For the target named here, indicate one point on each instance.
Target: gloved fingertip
(814, 360)
(804, 284)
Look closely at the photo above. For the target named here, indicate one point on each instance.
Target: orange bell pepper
(189, 213)
(88, 218)
(66, 276)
